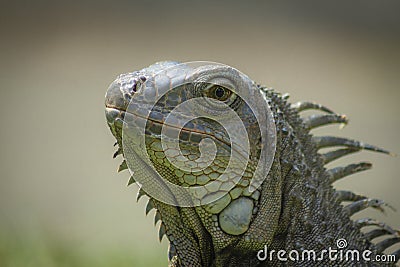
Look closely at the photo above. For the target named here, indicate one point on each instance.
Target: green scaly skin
(296, 207)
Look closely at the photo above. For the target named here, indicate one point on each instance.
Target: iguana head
(194, 136)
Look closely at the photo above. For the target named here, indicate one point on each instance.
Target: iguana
(293, 208)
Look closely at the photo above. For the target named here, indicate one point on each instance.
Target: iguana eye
(218, 92)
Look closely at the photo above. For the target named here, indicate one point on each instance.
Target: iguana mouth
(116, 116)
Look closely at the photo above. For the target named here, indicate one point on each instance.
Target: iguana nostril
(133, 88)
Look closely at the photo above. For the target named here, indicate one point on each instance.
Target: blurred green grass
(29, 249)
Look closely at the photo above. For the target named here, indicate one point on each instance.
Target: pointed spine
(315, 121)
(161, 232)
(343, 195)
(149, 206)
(340, 172)
(364, 222)
(118, 152)
(332, 141)
(122, 167)
(376, 233)
(140, 194)
(157, 217)
(336, 154)
(360, 205)
(301, 106)
(381, 246)
(131, 181)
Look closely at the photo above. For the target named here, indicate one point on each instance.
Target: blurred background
(62, 202)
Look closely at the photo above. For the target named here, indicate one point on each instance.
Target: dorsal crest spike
(131, 181)
(149, 206)
(118, 152)
(123, 166)
(161, 232)
(381, 246)
(140, 194)
(301, 106)
(332, 141)
(315, 121)
(336, 154)
(339, 172)
(157, 217)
